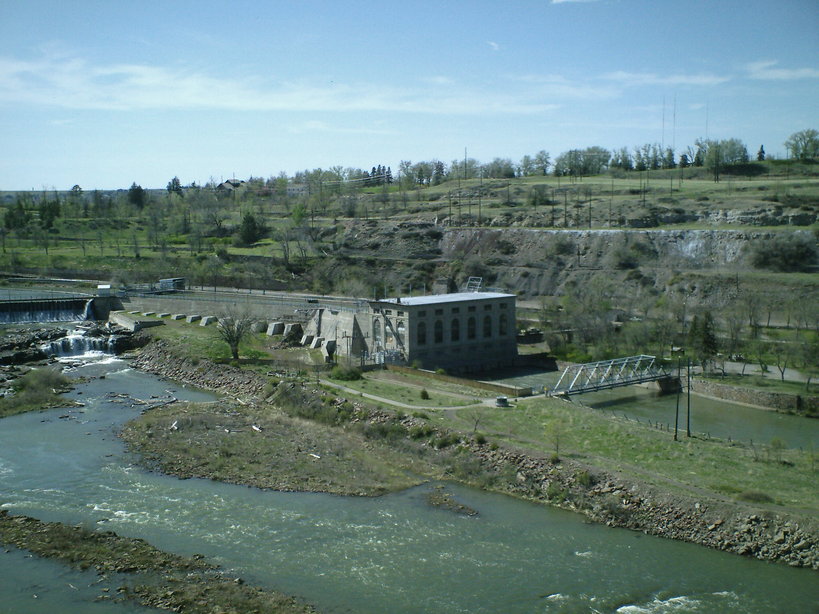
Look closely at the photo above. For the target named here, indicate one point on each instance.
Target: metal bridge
(592, 376)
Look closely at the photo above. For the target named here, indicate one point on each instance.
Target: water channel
(708, 416)
(387, 554)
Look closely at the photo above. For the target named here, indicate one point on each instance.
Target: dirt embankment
(741, 528)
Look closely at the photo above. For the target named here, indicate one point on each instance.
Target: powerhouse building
(463, 331)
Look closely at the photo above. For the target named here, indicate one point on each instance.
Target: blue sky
(105, 93)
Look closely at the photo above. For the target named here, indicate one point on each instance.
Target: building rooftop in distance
(435, 299)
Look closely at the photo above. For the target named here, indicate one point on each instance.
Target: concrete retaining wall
(775, 400)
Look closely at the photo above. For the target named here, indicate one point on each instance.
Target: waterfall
(69, 310)
(77, 344)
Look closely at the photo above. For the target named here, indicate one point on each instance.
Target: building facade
(463, 331)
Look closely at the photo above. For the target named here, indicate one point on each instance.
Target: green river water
(388, 554)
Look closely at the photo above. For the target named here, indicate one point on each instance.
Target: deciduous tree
(804, 145)
(233, 327)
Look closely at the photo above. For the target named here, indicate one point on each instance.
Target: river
(389, 554)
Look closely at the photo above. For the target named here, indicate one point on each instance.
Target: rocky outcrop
(158, 358)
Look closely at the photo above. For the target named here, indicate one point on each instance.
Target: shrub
(583, 478)
(754, 496)
(786, 253)
(38, 380)
(421, 432)
(444, 441)
(555, 492)
(383, 430)
(347, 374)
(424, 394)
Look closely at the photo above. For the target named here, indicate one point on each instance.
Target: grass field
(550, 426)
(407, 389)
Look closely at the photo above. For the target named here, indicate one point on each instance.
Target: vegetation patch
(38, 389)
(264, 447)
(151, 577)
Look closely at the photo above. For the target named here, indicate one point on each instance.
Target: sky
(105, 93)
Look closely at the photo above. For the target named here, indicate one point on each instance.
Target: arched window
(503, 324)
(471, 328)
(487, 326)
(421, 333)
(455, 330)
(377, 332)
(439, 331)
(401, 332)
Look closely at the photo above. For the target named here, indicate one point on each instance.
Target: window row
(455, 329)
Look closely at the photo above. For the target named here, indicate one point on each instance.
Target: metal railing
(606, 374)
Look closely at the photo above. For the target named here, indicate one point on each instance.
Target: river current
(343, 554)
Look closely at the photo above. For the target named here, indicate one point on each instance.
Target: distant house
(230, 185)
(297, 189)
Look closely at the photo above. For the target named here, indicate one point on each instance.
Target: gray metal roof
(435, 299)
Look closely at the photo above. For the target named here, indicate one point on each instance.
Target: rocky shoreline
(732, 526)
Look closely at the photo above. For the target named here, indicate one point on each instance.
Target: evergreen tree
(668, 159)
(250, 230)
(702, 338)
(760, 155)
(175, 186)
(136, 195)
(438, 172)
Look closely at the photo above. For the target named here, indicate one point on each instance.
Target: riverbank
(132, 569)
(805, 405)
(759, 530)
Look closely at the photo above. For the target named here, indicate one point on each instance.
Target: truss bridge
(605, 374)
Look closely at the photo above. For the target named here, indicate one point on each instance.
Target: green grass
(410, 394)
(771, 383)
(543, 425)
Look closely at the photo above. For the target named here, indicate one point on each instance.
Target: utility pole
(688, 414)
(611, 199)
(677, 409)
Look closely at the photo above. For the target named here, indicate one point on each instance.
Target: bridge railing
(605, 374)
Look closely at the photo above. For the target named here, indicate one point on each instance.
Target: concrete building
(464, 331)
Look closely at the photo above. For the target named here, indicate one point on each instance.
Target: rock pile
(156, 359)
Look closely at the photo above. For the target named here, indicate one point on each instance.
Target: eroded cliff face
(534, 262)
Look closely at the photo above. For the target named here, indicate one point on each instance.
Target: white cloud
(66, 82)
(572, 1)
(765, 69)
(324, 127)
(631, 79)
(558, 86)
(493, 45)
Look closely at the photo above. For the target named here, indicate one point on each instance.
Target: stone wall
(773, 400)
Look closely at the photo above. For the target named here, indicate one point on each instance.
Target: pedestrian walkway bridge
(605, 374)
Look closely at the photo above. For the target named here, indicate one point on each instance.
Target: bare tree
(234, 325)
